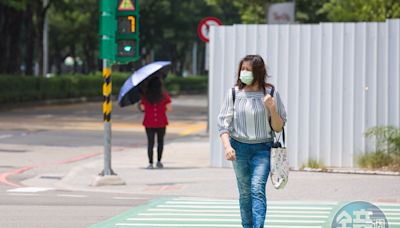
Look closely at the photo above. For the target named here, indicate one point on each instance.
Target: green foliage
(251, 12)
(16, 4)
(387, 152)
(168, 29)
(22, 89)
(314, 164)
(387, 138)
(374, 160)
(309, 11)
(18, 89)
(254, 11)
(188, 85)
(73, 26)
(362, 10)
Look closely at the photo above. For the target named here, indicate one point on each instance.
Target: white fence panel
(336, 80)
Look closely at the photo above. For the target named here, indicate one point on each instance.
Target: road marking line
(22, 194)
(392, 213)
(219, 220)
(72, 196)
(4, 176)
(235, 207)
(205, 225)
(203, 199)
(193, 128)
(190, 214)
(272, 203)
(393, 218)
(390, 209)
(386, 204)
(30, 189)
(186, 210)
(229, 215)
(235, 211)
(5, 136)
(199, 202)
(129, 198)
(268, 202)
(185, 219)
(176, 225)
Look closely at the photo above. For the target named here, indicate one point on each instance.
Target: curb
(50, 102)
(350, 171)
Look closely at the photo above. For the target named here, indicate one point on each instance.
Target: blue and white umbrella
(130, 91)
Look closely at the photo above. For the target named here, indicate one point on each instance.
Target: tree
(73, 32)
(362, 10)
(250, 11)
(169, 28)
(310, 11)
(21, 29)
(255, 11)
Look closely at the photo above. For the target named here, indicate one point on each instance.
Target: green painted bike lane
(201, 212)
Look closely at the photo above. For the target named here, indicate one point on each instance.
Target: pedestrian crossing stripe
(205, 212)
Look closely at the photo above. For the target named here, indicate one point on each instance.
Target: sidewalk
(187, 173)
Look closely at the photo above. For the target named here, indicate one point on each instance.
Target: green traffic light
(127, 48)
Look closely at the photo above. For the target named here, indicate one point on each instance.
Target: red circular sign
(203, 28)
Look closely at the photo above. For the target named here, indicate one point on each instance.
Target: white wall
(336, 80)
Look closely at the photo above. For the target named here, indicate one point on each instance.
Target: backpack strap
(270, 124)
(233, 95)
(272, 91)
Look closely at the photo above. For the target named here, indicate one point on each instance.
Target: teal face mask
(246, 77)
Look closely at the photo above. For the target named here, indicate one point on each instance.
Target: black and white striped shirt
(247, 121)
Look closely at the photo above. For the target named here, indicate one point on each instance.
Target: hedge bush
(18, 89)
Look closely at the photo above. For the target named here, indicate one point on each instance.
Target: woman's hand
(276, 120)
(269, 102)
(230, 153)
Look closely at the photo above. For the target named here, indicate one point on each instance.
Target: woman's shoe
(150, 166)
(160, 165)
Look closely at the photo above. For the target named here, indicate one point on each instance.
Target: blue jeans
(252, 169)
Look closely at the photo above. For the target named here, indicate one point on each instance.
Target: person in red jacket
(155, 102)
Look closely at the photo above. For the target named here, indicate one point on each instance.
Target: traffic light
(127, 36)
(119, 30)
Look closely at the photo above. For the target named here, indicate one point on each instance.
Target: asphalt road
(62, 208)
(39, 136)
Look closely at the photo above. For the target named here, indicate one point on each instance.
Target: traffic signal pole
(107, 107)
(107, 176)
(119, 44)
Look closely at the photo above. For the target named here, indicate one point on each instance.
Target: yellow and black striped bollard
(107, 107)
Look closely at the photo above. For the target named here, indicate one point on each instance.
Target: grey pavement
(187, 172)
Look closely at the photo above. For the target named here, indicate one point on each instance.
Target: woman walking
(155, 103)
(247, 121)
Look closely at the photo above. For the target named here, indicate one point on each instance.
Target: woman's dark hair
(154, 91)
(259, 71)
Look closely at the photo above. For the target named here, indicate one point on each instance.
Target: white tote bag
(279, 164)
